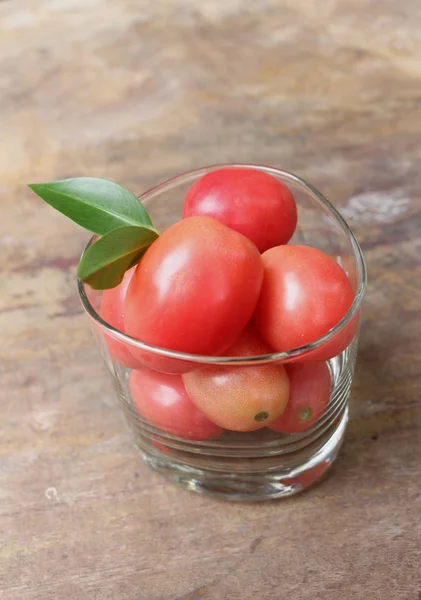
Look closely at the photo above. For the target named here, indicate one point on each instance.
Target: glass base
(276, 482)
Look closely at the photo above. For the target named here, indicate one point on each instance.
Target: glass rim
(240, 360)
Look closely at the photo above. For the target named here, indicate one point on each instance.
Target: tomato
(315, 474)
(162, 364)
(311, 476)
(248, 200)
(309, 394)
(336, 345)
(304, 294)
(242, 398)
(162, 400)
(111, 311)
(162, 447)
(195, 289)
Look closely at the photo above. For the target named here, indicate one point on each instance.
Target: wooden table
(136, 91)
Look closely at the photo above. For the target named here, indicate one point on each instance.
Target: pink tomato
(242, 398)
(311, 476)
(309, 394)
(162, 400)
(111, 311)
(250, 201)
(304, 294)
(195, 289)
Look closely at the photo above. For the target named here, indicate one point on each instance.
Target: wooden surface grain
(136, 91)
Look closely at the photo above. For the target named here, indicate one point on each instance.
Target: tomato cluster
(226, 281)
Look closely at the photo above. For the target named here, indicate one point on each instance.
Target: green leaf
(98, 205)
(105, 262)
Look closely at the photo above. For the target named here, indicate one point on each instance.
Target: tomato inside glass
(309, 394)
(195, 289)
(111, 311)
(304, 294)
(243, 398)
(249, 201)
(163, 401)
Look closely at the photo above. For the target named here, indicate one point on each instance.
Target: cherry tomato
(311, 476)
(111, 311)
(240, 398)
(162, 400)
(309, 394)
(162, 447)
(195, 289)
(304, 294)
(336, 345)
(248, 200)
(162, 364)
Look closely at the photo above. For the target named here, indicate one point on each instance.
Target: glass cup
(174, 437)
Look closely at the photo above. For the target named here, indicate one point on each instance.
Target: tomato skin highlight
(309, 394)
(162, 400)
(195, 289)
(249, 201)
(111, 311)
(240, 398)
(304, 294)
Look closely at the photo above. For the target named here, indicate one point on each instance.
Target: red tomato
(195, 289)
(161, 447)
(162, 364)
(309, 394)
(304, 294)
(162, 400)
(336, 345)
(240, 398)
(311, 476)
(248, 200)
(111, 311)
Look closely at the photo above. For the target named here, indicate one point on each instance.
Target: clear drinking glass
(255, 465)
